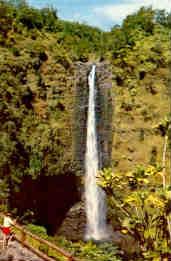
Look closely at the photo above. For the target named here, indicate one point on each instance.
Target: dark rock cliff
(104, 112)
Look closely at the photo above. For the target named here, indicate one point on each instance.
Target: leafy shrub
(37, 230)
(44, 248)
(101, 252)
(90, 251)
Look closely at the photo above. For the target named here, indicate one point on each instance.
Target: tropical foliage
(140, 207)
(87, 251)
(38, 52)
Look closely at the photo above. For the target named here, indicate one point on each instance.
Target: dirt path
(16, 252)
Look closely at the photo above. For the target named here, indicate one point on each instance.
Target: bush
(37, 230)
(90, 251)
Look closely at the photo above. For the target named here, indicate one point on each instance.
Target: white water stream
(96, 228)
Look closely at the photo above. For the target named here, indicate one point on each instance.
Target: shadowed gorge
(46, 199)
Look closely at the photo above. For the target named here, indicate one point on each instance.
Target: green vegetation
(90, 251)
(140, 208)
(38, 52)
(86, 251)
(141, 72)
(37, 230)
(36, 76)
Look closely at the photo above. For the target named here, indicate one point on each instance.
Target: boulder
(73, 226)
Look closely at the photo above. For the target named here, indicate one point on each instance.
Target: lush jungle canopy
(38, 51)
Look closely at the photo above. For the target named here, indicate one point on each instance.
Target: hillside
(142, 100)
(37, 68)
(39, 54)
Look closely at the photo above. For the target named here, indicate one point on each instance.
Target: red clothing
(6, 230)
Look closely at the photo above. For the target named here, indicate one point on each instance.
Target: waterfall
(96, 228)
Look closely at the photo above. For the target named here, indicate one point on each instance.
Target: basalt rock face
(73, 226)
(104, 112)
(80, 114)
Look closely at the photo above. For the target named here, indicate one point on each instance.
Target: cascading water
(96, 228)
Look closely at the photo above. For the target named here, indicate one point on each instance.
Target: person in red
(6, 229)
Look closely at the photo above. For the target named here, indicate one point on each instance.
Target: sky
(100, 13)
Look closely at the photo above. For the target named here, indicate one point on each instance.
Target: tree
(161, 17)
(143, 21)
(30, 17)
(50, 18)
(6, 18)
